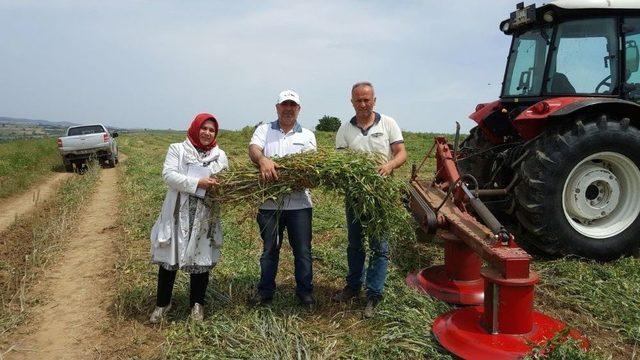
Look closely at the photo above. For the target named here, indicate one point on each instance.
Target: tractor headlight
(548, 16)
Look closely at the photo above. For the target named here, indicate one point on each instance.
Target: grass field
(602, 300)
(23, 162)
(9, 131)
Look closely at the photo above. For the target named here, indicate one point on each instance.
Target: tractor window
(586, 58)
(526, 63)
(632, 59)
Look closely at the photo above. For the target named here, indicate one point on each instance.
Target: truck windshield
(84, 130)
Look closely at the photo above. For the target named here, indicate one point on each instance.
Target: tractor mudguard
(620, 107)
(536, 119)
(485, 116)
(484, 110)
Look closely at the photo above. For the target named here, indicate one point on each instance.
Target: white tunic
(173, 242)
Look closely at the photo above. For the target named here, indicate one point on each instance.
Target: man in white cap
(282, 137)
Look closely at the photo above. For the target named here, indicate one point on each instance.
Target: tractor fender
(620, 107)
(484, 110)
(533, 121)
(483, 115)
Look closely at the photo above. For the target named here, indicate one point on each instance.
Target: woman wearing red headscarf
(187, 234)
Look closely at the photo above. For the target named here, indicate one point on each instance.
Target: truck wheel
(68, 167)
(112, 161)
(579, 189)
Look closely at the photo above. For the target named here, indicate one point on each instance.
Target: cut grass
(232, 329)
(29, 246)
(376, 200)
(402, 328)
(609, 293)
(23, 162)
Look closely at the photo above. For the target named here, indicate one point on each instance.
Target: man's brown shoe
(370, 309)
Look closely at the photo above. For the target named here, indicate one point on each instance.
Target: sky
(156, 64)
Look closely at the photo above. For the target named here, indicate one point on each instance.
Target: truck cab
(88, 141)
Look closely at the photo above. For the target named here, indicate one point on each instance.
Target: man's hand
(399, 157)
(268, 168)
(385, 169)
(208, 182)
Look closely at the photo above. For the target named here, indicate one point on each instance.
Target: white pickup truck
(87, 141)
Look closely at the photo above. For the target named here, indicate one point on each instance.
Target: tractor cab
(567, 51)
(571, 49)
(563, 140)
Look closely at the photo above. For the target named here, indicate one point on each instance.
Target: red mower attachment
(503, 325)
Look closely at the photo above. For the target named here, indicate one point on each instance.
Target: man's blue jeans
(376, 272)
(272, 224)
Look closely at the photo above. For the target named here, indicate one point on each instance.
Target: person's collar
(276, 126)
(376, 120)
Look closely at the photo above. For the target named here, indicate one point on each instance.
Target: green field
(11, 131)
(602, 300)
(24, 162)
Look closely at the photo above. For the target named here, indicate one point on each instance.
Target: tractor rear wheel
(579, 189)
(477, 155)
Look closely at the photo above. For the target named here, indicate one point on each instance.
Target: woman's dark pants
(166, 279)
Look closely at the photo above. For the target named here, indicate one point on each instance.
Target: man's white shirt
(376, 139)
(274, 142)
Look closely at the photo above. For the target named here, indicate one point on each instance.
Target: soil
(24, 203)
(68, 325)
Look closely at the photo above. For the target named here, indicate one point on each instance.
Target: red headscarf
(194, 131)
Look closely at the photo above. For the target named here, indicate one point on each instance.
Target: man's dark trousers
(298, 224)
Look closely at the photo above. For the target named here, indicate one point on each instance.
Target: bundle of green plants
(375, 199)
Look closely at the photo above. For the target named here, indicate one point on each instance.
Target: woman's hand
(208, 182)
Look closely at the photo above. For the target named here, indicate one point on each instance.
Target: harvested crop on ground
(402, 329)
(375, 199)
(607, 292)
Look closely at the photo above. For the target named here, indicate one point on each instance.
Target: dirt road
(77, 288)
(24, 203)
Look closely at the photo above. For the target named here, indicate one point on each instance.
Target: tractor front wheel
(579, 189)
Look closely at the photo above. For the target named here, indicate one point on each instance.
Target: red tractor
(560, 149)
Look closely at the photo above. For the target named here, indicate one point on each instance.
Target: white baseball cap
(288, 95)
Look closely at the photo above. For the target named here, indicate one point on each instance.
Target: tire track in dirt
(77, 288)
(21, 204)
